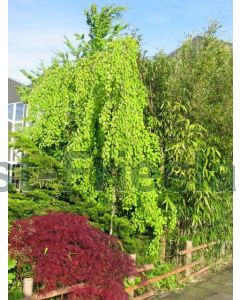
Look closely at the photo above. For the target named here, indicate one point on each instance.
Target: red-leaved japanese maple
(64, 249)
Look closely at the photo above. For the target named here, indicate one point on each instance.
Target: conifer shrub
(63, 249)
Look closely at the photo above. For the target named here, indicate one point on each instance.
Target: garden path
(215, 286)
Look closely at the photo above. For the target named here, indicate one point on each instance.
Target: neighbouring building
(16, 115)
(196, 44)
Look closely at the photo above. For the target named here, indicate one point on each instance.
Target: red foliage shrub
(64, 249)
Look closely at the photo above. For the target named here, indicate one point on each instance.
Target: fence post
(223, 249)
(27, 287)
(162, 249)
(131, 278)
(188, 259)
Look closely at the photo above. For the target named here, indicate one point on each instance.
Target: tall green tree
(194, 158)
(100, 127)
(88, 114)
(202, 81)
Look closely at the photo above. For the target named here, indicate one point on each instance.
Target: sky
(36, 27)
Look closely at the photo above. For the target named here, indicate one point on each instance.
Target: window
(18, 126)
(10, 127)
(15, 175)
(10, 111)
(19, 111)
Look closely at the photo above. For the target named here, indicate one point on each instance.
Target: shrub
(11, 270)
(37, 202)
(14, 285)
(169, 283)
(64, 249)
(21, 206)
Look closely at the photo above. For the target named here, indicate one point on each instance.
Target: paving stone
(196, 292)
(217, 286)
(210, 285)
(221, 296)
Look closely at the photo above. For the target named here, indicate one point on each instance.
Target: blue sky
(37, 27)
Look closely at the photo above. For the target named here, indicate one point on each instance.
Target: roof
(12, 91)
(196, 44)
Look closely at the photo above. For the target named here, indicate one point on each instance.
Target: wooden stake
(131, 279)
(188, 259)
(27, 287)
(163, 249)
(223, 249)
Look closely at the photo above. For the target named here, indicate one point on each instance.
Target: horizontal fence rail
(193, 249)
(54, 293)
(66, 290)
(163, 276)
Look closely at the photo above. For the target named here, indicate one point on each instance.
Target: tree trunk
(113, 209)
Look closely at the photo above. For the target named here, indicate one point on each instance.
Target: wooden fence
(187, 268)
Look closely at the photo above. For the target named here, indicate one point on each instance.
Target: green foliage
(131, 282)
(16, 294)
(101, 25)
(201, 78)
(14, 285)
(184, 93)
(100, 126)
(169, 283)
(102, 29)
(104, 26)
(198, 76)
(11, 270)
(39, 170)
(33, 203)
(37, 202)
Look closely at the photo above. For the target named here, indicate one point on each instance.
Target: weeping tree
(97, 129)
(86, 111)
